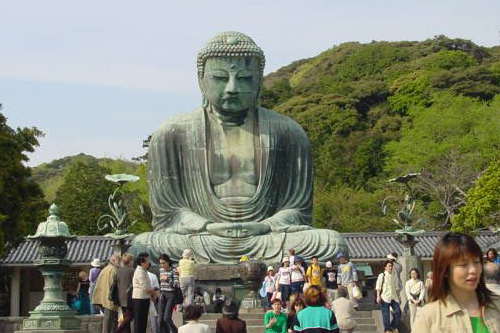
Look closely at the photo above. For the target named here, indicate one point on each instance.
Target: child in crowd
(330, 275)
(270, 285)
(284, 281)
(298, 278)
(275, 321)
(314, 273)
(199, 300)
(219, 299)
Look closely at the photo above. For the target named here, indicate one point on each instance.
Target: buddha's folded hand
(238, 230)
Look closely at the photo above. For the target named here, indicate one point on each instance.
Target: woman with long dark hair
(459, 300)
(415, 293)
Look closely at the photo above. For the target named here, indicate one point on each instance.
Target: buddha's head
(230, 72)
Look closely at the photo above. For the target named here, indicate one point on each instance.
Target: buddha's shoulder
(281, 120)
(180, 122)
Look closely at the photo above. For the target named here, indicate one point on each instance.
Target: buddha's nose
(232, 86)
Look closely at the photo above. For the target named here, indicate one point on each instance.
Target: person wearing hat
(269, 285)
(330, 275)
(347, 276)
(186, 271)
(102, 291)
(93, 275)
(284, 281)
(230, 322)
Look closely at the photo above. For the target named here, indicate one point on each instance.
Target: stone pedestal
(53, 313)
(228, 278)
(408, 260)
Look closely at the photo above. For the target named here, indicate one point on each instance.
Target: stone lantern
(52, 314)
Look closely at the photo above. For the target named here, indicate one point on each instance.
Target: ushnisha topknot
(229, 44)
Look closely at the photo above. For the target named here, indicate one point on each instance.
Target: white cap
(95, 263)
(187, 253)
(391, 257)
(286, 259)
(270, 268)
(329, 264)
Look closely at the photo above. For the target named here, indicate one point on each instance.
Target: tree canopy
(483, 203)
(22, 204)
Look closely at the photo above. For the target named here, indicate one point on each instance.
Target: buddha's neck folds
(227, 118)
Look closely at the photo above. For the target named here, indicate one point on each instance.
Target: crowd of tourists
(310, 298)
(460, 294)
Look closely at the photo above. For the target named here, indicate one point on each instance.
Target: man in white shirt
(387, 296)
(491, 271)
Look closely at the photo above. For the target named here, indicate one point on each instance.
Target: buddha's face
(231, 85)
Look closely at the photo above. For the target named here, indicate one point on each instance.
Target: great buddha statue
(232, 178)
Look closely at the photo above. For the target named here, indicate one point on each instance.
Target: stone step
(359, 329)
(366, 321)
(251, 329)
(215, 316)
(249, 322)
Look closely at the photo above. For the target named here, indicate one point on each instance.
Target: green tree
(21, 200)
(345, 209)
(83, 197)
(449, 142)
(483, 203)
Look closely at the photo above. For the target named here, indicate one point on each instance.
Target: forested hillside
(373, 112)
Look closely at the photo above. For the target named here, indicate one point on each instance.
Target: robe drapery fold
(179, 186)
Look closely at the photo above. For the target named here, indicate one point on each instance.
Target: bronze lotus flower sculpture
(119, 219)
(404, 216)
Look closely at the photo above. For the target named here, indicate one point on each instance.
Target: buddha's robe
(183, 201)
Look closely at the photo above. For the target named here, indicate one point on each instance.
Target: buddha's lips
(231, 100)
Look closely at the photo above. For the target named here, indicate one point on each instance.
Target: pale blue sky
(99, 76)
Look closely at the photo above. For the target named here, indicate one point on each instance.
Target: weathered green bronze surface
(232, 178)
(52, 314)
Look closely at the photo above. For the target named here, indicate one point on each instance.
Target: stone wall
(90, 324)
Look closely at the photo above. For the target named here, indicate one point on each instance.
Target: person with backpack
(387, 288)
(314, 273)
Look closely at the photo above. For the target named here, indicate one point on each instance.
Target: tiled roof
(81, 250)
(369, 245)
(376, 245)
